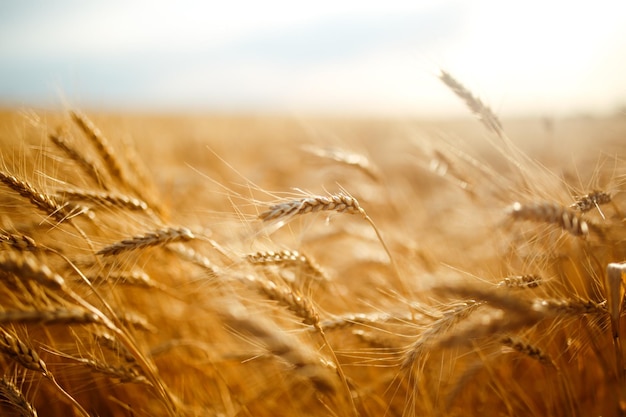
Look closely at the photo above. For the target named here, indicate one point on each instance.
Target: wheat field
(191, 265)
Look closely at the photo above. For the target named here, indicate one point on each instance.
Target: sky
(537, 57)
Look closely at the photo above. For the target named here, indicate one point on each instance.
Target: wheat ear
(288, 258)
(282, 345)
(102, 146)
(527, 349)
(88, 166)
(26, 356)
(436, 329)
(19, 242)
(156, 238)
(304, 309)
(40, 200)
(480, 109)
(521, 281)
(350, 159)
(553, 214)
(15, 397)
(26, 266)
(47, 316)
(340, 203)
(105, 199)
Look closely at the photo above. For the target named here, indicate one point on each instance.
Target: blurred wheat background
(242, 252)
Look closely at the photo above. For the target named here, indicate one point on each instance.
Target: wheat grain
(14, 396)
(156, 238)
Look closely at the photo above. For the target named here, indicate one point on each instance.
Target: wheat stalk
(151, 239)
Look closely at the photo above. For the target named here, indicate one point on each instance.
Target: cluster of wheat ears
(430, 280)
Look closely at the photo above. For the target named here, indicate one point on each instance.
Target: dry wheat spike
(521, 281)
(26, 266)
(105, 199)
(338, 202)
(484, 113)
(551, 213)
(64, 315)
(156, 238)
(26, 356)
(40, 200)
(14, 396)
(527, 349)
(88, 166)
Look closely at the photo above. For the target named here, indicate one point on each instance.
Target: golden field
(224, 265)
